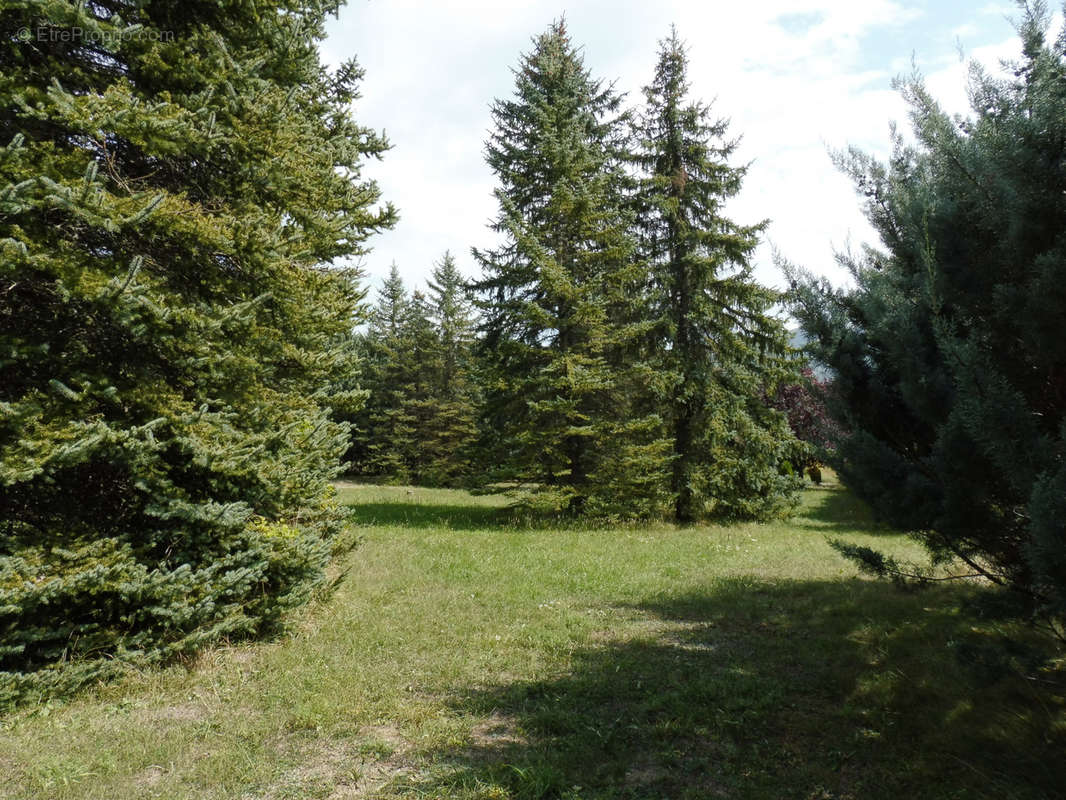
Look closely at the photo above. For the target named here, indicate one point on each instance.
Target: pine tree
(454, 315)
(387, 319)
(556, 294)
(383, 437)
(418, 367)
(420, 420)
(948, 354)
(719, 345)
(173, 186)
(451, 429)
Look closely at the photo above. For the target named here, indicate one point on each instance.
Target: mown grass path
(465, 657)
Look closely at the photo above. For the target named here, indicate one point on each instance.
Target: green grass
(468, 656)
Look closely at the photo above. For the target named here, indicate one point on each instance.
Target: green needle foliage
(721, 350)
(420, 422)
(450, 412)
(383, 436)
(561, 295)
(949, 357)
(174, 178)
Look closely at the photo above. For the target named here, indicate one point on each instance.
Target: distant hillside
(799, 340)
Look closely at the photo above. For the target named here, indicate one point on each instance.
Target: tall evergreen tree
(720, 346)
(451, 429)
(420, 420)
(418, 367)
(555, 295)
(387, 319)
(173, 180)
(453, 312)
(948, 354)
(383, 437)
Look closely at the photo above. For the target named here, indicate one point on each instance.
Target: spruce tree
(947, 354)
(420, 420)
(720, 348)
(454, 315)
(383, 437)
(418, 366)
(556, 295)
(174, 182)
(451, 429)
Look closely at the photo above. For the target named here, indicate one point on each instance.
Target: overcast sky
(795, 77)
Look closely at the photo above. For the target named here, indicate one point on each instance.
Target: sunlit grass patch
(466, 656)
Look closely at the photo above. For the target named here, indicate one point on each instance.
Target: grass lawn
(465, 657)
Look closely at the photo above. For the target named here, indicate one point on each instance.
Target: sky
(796, 79)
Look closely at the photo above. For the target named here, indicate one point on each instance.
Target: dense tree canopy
(174, 179)
(804, 404)
(452, 408)
(720, 350)
(382, 438)
(420, 422)
(948, 353)
(560, 297)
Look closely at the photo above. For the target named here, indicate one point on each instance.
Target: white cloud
(794, 77)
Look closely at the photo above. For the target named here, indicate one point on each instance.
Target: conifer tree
(720, 347)
(453, 313)
(451, 429)
(418, 366)
(383, 437)
(557, 295)
(948, 355)
(388, 318)
(174, 181)
(420, 421)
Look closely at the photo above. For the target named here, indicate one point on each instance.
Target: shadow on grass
(829, 509)
(460, 517)
(418, 515)
(810, 690)
(834, 508)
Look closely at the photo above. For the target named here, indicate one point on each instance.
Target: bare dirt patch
(180, 712)
(342, 769)
(150, 776)
(495, 731)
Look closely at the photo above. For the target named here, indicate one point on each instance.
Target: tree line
(185, 364)
(624, 353)
(417, 364)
